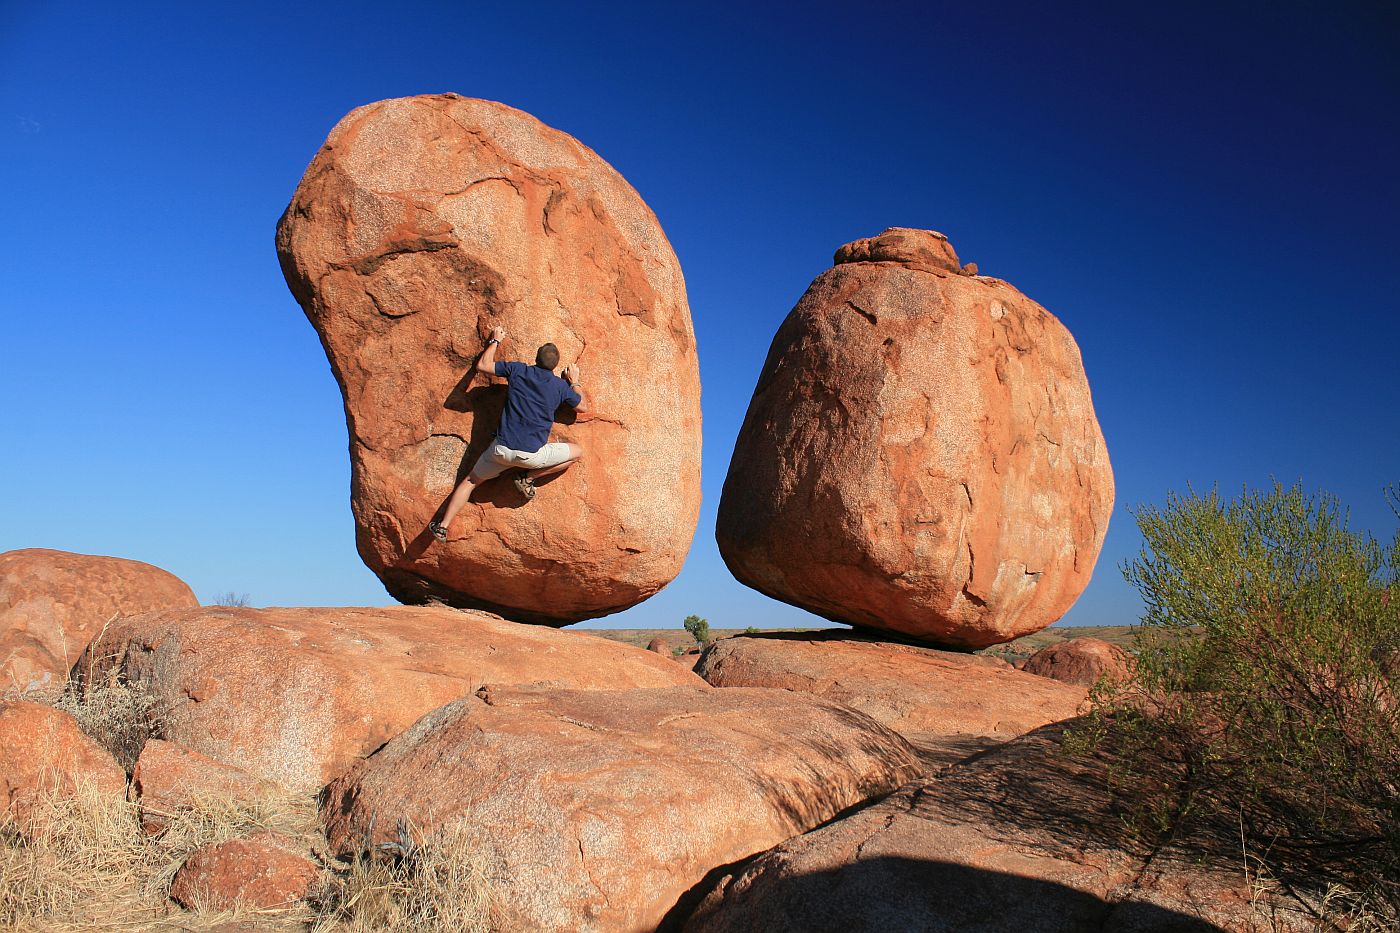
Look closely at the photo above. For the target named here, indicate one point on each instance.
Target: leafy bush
(698, 628)
(1267, 703)
(751, 630)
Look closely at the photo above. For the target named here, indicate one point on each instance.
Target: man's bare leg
(459, 498)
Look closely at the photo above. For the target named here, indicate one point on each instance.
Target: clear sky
(1206, 194)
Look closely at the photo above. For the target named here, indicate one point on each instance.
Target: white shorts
(498, 458)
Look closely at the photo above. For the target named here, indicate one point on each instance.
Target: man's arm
(486, 363)
(572, 378)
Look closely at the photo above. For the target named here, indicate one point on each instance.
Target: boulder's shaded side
(947, 704)
(1022, 839)
(921, 454)
(597, 811)
(1083, 661)
(297, 695)
(421, 224)
(43, 752)
(53, 602)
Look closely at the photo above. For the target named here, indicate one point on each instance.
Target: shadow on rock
(921, 896)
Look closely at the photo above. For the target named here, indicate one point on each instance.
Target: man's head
(547, 356)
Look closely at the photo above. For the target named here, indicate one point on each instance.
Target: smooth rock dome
(423, 223)
(921, 455)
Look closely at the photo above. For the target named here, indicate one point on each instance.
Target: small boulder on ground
(261, 872)
(1083, 661)
(295, 696)
(947, 704)
(660, 646)
(1023, 839)
(52, 603)
(169, 778)
(42, 751)
(598, 810)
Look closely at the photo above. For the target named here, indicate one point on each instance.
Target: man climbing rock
(533, 394)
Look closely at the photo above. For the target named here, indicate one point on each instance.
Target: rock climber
(533, 394)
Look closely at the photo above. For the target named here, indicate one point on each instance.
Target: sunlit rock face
(921, 454)
(423, 223)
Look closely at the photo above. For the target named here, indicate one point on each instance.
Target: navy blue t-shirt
(534, 395)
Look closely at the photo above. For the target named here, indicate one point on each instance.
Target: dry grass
(439, 886)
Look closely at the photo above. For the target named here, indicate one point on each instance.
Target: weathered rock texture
(169, 778)
(921, 454)
(1023, 839)
(43, 752)
(597, 811)
(260, 872)
(422, 223)
(1083, 661)
(52, 603)
(947, 704)
(295, 696)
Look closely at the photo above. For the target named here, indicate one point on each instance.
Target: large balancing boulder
(921, 454)
(52, 603)
(423, 223)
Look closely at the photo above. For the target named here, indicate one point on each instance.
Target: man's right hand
(498, 334)
(571, 373)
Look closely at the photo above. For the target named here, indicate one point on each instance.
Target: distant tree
(750, 631)
(698, 628)
(235, 600)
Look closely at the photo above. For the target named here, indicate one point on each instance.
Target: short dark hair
(547, 356)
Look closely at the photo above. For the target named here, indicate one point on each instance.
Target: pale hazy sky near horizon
(1205, 194)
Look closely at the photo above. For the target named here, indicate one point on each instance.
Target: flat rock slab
(598, 811)
(420, 225)
(1019, 840)
(921, 454)
(296, 696)
(52, 603)
(948, 704)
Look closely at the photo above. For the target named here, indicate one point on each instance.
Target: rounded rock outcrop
(927, 436)
(423, 223)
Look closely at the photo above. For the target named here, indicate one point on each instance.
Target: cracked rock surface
(921, 454)
(296, 696)
(423, 223)
(599, 810)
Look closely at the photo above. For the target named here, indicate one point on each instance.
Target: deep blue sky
(1205, 194)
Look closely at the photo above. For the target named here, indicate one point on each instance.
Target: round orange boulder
(1083, 661)
(423, 223)
(921, 454)
(52, 603)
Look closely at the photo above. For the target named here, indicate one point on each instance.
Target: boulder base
(295, 696)
(423, 223)
(1023, 839)
(52, 603)
(598, 810)
(921, 454)
(947, 704)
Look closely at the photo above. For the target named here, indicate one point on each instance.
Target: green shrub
(698, 628)
(1267, 702)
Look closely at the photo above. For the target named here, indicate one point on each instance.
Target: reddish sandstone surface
(921, 454)
(597, 810)
(43, 752)
(1081, 661)
(53, 602)
(421, 224)
(261, 872)
(295, 696)
(947, 704)
(1021, 839)
(169, 778)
